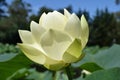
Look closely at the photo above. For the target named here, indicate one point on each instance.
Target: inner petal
(42, 18)
(55, 43)
(73, 26)
(37, 30)
(67, 14)
(54, 20)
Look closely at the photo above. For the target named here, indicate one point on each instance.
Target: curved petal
(57, 66)
(73, 53)
(36, 54)
(85, 30)
(66, 13)
(36, 30)
(26, 37)
(32, 53)
(55, 43)
(73, 26)
(54, 20)
(42, 18)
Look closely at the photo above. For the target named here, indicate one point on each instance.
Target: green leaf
(79, 78)
(30, 74)
(88, 63)
(20, 74)
(110, 74)
(34, 75)
(9, 67)
(108, 58)
(103, 59)
(91, 67)
(92, 50)
(7, 57)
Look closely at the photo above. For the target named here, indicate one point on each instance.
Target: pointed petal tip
(83, 18)
(20, 31)
(32, 22)
(66, 13)
(65, 9)
(44, 13)
(55, 11)
(73, 14)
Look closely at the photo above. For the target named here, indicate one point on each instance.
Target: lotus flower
(56, 41)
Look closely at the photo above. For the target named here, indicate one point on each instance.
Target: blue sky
(89, 5)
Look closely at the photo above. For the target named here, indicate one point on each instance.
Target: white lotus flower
(56, 41)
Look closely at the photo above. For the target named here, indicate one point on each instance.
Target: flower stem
(69, 73)
(54, 75)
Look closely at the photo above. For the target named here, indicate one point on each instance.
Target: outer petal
(36, 54)
(26, 37)
(32, 53)
(73, 26)
(73, 53)
(85, 31)
(42, 18)
(54, 20)
(57, 66)
(55, 43)
(66, 13)
(37, 30)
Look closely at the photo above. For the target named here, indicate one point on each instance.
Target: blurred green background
(102, 51)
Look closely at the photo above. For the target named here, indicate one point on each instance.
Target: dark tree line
(2, 4)
(117, 2)
(104, 26)
(16, 18)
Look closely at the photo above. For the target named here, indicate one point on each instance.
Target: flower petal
(37, 30)
(26, 37)
(55, 43)
(73, 26)
(85, 30)
(54, 20)
(32, 53)
(73, 53)
(36, 54)
(42, 18)
(66, 13)
(57, 66)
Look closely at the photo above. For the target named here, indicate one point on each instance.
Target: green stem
(69, 73)
(54, 75)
